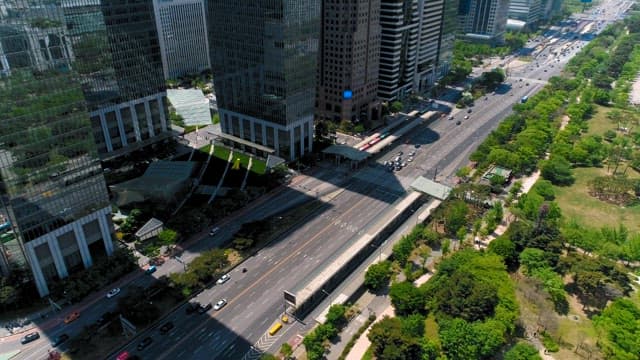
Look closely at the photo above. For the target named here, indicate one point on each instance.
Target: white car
(223, 279)
(220, 304)
(466, 117)
(410, 159)
(113, 292)
(214, 231)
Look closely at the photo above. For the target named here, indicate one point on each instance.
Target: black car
(144, 343)
(469, 111)
(204, 308)
(30, 337)
(166, 327)
(59, 340)
(192, 307)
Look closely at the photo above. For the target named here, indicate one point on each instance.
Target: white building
(183, 36)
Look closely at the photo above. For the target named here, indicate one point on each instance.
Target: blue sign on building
(347, 94)
(585, 1)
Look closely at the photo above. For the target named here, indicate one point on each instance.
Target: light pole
(328, 295)
(178, 259)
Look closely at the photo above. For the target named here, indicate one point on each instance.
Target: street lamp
(379, 247)
(328, 295)
(178, 259)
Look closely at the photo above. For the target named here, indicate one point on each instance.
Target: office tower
(55, 209)
(484, 20)
(450, 27)
(415, 47)
(264, 56)
(528, 11)
(182, 32)
(349, 58)
(116, 42)
(550, 8)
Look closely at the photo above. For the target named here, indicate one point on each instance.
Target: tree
(396, 106)
(522, 351)
(456, 216)
(336, 315)
(390, 339)
(504, 247)
(544, 188)
(459, 340)
(557, 170)
(533, 259)
(168, 237)
(286, 350)
(406, 298)
(378, 275)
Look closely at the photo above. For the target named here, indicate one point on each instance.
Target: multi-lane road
(347, 204)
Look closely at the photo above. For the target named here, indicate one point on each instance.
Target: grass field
(576, 203)
(599, 123)
(258, 166)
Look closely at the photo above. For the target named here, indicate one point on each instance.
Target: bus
(524, 99)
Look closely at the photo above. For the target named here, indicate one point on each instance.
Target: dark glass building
(79, 79)
(264, 55)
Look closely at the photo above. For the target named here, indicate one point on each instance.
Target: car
(404, 164)
(113, 292)
(220, 304)
(410, 159)
(469, 111)
(223, 279)
(204, 308)
(413, 153)
(151, 269)
(214, 231)
(417, 146)
(450, 117)
(458, 122)
(59, 340)
(166, 327)
(466, 117)
(144, 343)
(30, 337)
(192, 307)
(72, 317)
(400, 153)
(527, 84)
(486, 98)
(545, 70)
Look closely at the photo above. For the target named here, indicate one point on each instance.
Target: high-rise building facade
(528, 11)
(484, 20)
(123, 83)
(264, 56)
(416, 45)
(349, 58)
(55, 209)
(182, 32)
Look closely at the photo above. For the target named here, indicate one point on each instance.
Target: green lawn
(599, 123)
(258, 166)
(576, 203)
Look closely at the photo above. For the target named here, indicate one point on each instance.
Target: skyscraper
(416, 45)
(53, 197)
(349, 58)
(484, 20)
(182, 32)
(264, 56)
(118, 52)
(528, 11)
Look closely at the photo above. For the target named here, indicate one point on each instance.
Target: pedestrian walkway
(363, 343)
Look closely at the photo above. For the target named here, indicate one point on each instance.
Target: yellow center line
(273, 268)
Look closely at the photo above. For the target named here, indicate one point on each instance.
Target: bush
(549, 343)
(378, 275)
